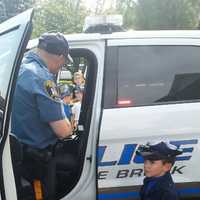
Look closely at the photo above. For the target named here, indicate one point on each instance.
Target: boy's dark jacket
(161, 188)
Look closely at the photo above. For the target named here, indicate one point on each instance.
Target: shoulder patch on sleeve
(51, 90)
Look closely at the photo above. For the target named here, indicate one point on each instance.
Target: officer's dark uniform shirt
(159, 188)
(36, 103)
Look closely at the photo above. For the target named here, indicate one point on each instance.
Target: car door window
(11, 34)
(151, 75)
(9, 41)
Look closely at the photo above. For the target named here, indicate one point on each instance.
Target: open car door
(14, 36)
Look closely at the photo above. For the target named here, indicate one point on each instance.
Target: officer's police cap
(54, 43)
(158, 151)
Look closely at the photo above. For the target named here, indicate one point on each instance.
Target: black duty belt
(43, 155)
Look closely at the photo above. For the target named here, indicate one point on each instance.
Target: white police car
(140, 86)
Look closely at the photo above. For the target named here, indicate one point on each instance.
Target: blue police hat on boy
(78, 89)
(54, 43)
(159, 151)
(64, 91)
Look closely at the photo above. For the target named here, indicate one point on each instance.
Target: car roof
(78, 37)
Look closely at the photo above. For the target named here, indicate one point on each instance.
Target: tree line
(67, 16)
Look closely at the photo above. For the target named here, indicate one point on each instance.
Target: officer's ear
(60, 56)
(59, 59)
(167, 166)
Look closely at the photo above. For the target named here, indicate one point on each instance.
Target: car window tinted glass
(9, 45)
(158, 74)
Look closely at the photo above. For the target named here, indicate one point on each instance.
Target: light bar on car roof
(102, 19)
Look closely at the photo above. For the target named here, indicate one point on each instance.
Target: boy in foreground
(158, 161)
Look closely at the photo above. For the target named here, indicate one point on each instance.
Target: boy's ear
(167, 166)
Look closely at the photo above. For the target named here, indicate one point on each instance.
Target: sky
(91, 4)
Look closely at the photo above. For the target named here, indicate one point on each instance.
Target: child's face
(78, 80)
(155, 168)
(79, 95)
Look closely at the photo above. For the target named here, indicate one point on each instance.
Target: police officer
(158, 161)
(38, 118)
